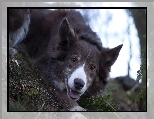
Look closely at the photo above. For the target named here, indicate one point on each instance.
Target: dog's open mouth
(73, 94)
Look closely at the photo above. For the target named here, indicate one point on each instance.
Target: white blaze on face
(78, 73)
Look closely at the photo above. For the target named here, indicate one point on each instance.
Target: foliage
(115, 98)
(98, 103)
(141, 99)
(27, 92)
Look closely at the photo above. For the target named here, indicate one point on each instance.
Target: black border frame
(65, 8)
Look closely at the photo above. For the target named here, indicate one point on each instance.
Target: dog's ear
(66, 38)
(111, 55)
(66, 33)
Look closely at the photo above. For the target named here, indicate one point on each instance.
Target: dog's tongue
(73, 94)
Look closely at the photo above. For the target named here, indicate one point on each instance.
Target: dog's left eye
(92, 67)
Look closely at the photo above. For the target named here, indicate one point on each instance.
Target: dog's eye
(74, 58)
(92, 67)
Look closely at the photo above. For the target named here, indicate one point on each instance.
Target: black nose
(78, 83)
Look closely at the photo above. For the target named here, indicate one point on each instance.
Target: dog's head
(85, 65)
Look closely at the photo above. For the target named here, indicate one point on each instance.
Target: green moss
(101, 103)
(141, 99)
(15, 105)
(104, 102)
(27, 92)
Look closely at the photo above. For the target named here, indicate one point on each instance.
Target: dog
(66, 50)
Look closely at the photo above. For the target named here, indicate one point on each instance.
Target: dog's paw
(77, 108)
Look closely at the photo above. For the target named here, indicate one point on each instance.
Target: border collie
(66, 50)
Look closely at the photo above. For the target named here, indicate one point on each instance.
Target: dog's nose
(78, 83)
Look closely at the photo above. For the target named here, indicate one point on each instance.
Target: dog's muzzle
(75, 92)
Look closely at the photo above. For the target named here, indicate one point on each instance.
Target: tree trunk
(139, 16)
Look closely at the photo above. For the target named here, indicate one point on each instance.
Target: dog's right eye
(73, 59)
